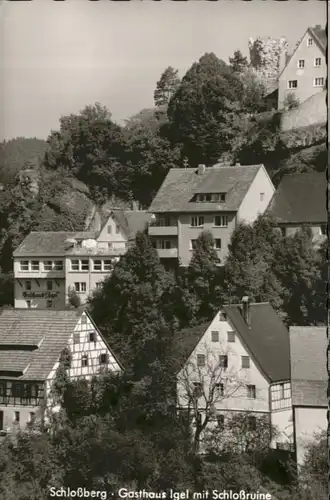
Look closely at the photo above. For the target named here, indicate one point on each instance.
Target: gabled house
(192, 200)
(50, 265)
(31, 343)
(301, 200)
(239, 362)
(308, 348)
(305, 71)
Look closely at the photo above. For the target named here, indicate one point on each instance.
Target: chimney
(246, 313)
(318, 27)
(201, 169)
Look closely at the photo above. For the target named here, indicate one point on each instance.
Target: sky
(58, 57)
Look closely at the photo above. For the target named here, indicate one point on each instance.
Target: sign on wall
(40, 295)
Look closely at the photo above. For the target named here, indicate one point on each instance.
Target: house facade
(308, 347)
(305, 72)
(239, 363)
(301, 200)
(49, 266)
(31, 343)
(213, 199)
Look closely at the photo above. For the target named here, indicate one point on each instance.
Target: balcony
(167, 253)
(163, 227)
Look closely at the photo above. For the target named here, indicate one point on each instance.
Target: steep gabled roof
(267, 339)
(300, 198)
(181, 184)
(132, 221)
(308, 347)
(31, 340)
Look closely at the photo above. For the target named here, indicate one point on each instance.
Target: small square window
(262, 196)
(323, 229)
(92, 337)
(32, 417)
(28, 285)
(245, 362)
(35, 265)
(293, 84)
(103, 359)
(200, 359)
(230, 336)
(252, 423)
(215, 336)
(318, 82)
(2, 389)
(49, 286)
(220, 389)
(84, 265)
(16, 417)
(107, 265)
(217, 243)
(24, 265)
(74, 265)
(221, 421)
(301, 63)
(28, 304)
(84, 360)
(317, 62)
(309, 42)
(193, 244)
(197, 389)
(48, 265)
(97, 265)
(49, 304)
(251, 391)
(109, 229)
(58, 265)
(76, 338)
(98, 285)
(223, 361)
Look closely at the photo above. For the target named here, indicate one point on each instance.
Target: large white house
(31, 343)
(239, 362)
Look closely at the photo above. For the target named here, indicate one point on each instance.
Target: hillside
(19, 153)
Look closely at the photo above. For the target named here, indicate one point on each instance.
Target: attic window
(92, 337)
(223, 316)
(103, 358)
(109, 229)
(84, 360)
(211, 197)
(215, 336)
(200, 359)
(309, 42)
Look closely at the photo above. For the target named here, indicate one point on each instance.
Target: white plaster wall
(308, 422)
(252, 204)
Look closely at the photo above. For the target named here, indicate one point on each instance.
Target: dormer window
(211, 197)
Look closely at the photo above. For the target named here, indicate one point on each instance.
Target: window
(58, 265)
(164, 244)
(80, 287)
(107, 264)
(28, 304)
(262, 196)
(200, 359)
(301, 63)
(217, 243)
(230, 336)
(24, 265)
(49, 285)
(193, 244)
(76, 338)
(221, 220)
(48, 265)
(109, 246)
(252, 423)
(97, 265)
(292, 84)
(84, 320)
(197, 389)
(117, 229)
(220, 389)
(16, 390)
(251, 391)
(92, 337)
(323, 229)
(197, 221)
(223, 361)
(84, 360)
(16, 417)
(223, 316)
(28, 285)
(98, 285)
(2, 389)
(34, 391)
(318, 82)
(74, 265)
(221, 421)
(32, 417)
(317, 62)
(35, 265)
(103, 359)
(109, 229)
(245, 362)
(84, 265)
(215, 336)
(309, 42)
(49, 304)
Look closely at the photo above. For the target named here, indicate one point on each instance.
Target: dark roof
(267, 339)
(132, 221)
(185, 342)
(300, 198)
(43, 243)
(181, 184)
(320, 36)
(308, 347)
(29, 327)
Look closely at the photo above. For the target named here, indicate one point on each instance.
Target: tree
(290, 101)
(314, 471)
(89, 146)
(204, 112)
(166, 86)
(238, 62)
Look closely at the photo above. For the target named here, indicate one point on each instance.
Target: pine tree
(238, 62)
(166, 86)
